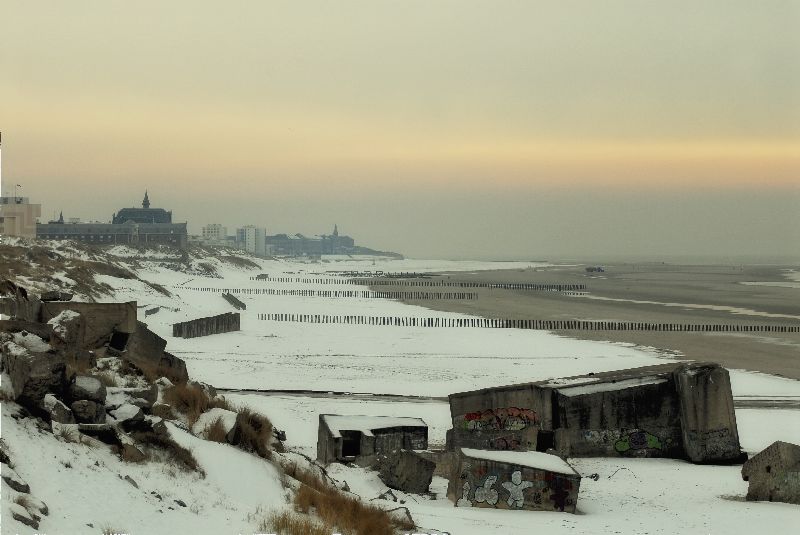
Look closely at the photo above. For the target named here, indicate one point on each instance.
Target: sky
(439, 129)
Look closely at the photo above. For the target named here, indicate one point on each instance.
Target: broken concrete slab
(405, 470)
(774, 474)
(530, 480)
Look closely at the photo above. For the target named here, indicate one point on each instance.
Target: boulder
(57, 410)
(33, 374)
(20, 514)
(210, 391)
(89, 412)
(86, 387)
(13, 479)
(129, 451)
(145, 349)
(405, 470)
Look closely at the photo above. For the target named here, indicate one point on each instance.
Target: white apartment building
(252, 239)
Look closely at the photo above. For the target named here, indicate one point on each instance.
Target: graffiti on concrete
(560, 487)
(500, 419)
(515, 488)
(505, 443)
(637, 440)
(485, 493)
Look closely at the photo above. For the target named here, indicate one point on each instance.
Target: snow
(366, 424)
(610, 386)
(227, 419)
(31, 342)
(531, 459)
(421, 365)
(65, 316)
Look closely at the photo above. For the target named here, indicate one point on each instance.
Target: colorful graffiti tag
(500, 419)
(637, 440)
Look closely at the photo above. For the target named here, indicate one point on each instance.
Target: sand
(656, 293)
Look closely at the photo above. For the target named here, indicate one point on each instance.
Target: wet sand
(654, 293)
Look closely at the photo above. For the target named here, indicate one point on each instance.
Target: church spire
(335, 229)
(61, 217)
(146, 201)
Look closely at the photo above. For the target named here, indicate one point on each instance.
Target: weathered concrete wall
(146, 350)
(774, 474)
(643, 421)
(671, 410)
(17, 302)
(504, 418)
(101, 320)
(484, 483)
(328, 447)
(221, 323)
(707, 415)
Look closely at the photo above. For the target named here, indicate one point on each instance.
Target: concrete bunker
(528, 480)
(348, 438)
(670, 410)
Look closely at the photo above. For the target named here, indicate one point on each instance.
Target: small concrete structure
(670, 410)
(774, 474)
(221, 323)
(529, 480)
(345, 438)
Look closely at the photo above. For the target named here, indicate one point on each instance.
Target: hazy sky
(524, 129)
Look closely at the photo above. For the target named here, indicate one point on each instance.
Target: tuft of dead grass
(215, 431)
(171, 450)
(287, 523)
(341, 512)
(192, 401)
(254, 432)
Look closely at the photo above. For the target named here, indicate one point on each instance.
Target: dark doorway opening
(119, 341)
(351, 443)
(545, 440)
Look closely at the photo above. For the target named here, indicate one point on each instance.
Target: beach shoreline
(647, 293)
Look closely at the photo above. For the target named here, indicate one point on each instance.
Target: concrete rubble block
(405, 470)
(13, 479)
(87, 411)
(708, 419)
(89, 388)
(56, 295)
(102, 320)
(17, 302)
(774, 474)
(69, 328)
(57, 410)
(529, 480)
(128, 415)
(33, 374)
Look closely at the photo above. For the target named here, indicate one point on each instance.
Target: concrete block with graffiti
(514, 480)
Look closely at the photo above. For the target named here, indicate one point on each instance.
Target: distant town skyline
(452, 129)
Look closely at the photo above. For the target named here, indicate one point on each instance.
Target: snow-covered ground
(629, 495)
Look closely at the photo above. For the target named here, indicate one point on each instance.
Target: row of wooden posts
(361, 294)
(548, 325)
(559, 287)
